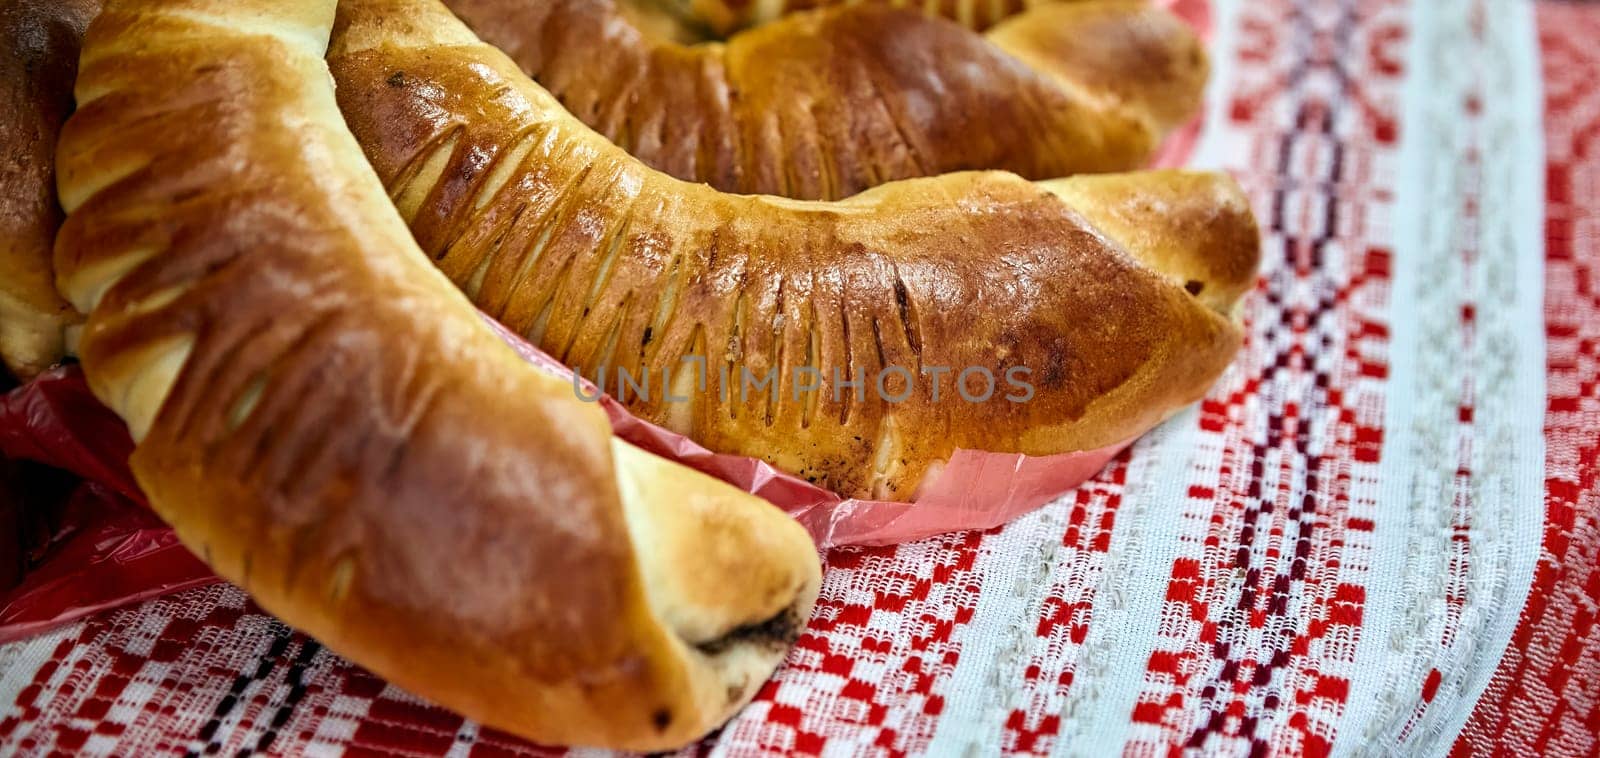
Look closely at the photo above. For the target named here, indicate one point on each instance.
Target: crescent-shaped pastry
(328, 422)
(825, 104)
(724, 17)
(1109, 296)
(38, 60)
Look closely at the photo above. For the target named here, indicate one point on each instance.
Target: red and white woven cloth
(1379, 534)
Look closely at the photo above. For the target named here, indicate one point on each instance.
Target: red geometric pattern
(1065, 614)
(206, 672)
(874, 666)
(871, 666)
(1544, 698)
(1257, 637)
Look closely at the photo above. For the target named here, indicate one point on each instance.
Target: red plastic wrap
(56, 420)
(108, 552)
(102, 547)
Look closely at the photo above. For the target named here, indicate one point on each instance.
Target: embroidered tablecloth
(1378, 534)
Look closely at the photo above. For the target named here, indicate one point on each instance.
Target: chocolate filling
(779, 631)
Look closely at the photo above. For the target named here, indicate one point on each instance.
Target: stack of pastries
(270, 229)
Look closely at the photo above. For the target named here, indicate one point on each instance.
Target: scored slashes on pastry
(724, 17)
(832, 103)
(1113, 292)
(825, 104)
(328, 422)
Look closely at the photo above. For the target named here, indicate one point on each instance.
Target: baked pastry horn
(38, 59)
(726, 16)
(1109, 296)
(328, 423)
(825, 104)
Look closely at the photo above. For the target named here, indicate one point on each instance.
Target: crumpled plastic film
(108, 551)
(103, 547)
(56, 420)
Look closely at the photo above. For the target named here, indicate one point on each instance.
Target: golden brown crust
(1124, 53)
(326, 421)
(724, 17)
(603, 262)
(822, 105)
(38, 59)
(1206, 242)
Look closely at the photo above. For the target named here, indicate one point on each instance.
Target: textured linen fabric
(1377, 535)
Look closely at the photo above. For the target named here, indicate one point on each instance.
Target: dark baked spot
(1194, 287)
(662, 718)
(396, 79)
(1055, 366)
